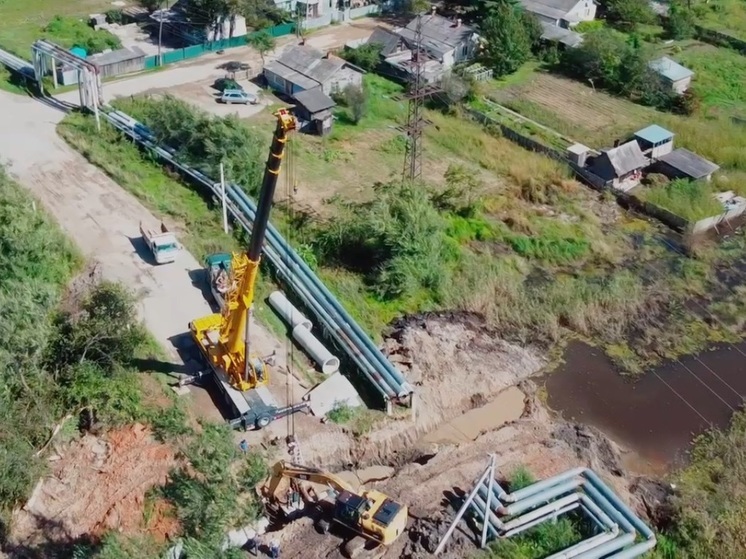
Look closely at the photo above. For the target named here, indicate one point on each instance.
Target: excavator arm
(283, 470)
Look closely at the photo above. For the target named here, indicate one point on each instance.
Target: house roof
(626, 158)
(654, 134)
(386, 38)
(555, 9)
(558, 34)
(115, 56)
(670, 69)
(440, 35)
(689, 163)
(305, 66)
(314, 100)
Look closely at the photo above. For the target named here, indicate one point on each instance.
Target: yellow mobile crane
(223, 338)
(373, 515)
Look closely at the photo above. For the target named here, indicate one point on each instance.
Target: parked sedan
(238, 96)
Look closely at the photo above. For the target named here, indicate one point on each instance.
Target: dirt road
(103, 220)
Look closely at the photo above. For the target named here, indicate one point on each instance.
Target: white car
(238, 96)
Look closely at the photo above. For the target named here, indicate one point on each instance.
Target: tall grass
(691, 200)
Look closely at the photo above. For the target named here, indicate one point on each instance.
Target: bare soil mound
(96, 484)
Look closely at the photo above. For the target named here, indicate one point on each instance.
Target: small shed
(655, 141)
(119, 62)
(676, 76)
(578, 154)
(621, 166)
(682, 163)
(314, 107)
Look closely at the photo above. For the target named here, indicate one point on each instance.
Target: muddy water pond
(657, 415)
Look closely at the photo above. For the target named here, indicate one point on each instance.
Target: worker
(244, 446)
(251, 545)
(274, 549)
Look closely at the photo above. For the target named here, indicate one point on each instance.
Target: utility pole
(416, 94)
(222, 192)
(160, 33)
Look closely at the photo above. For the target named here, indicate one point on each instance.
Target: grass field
(726, 16)
(21, 22)
(596, 118)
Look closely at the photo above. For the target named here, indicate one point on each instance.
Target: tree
(150, 5)
(105, 331)
(680, 21)
(356, 100)
(629, 13)
(263, 42)
(507, 40)
(598, 59)
(263, 13)
(366, 56)
(212, 13)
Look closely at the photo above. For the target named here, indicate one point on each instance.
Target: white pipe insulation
(287, 311)
(329, 363)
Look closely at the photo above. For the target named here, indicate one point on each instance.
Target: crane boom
(224, 337)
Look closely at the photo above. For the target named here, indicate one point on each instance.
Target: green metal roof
(218, 259)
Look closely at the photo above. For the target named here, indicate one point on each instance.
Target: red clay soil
(98, 484)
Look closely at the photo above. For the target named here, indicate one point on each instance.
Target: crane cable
(290, 187)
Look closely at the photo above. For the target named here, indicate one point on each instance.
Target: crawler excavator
(375, 518)
(223, 338)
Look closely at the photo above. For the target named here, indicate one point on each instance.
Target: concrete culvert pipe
(288, 312)
(329, 363)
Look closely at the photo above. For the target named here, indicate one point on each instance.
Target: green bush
(208, 493)
(398, 241)
(366, 56)
(203, 140)
(69, 32)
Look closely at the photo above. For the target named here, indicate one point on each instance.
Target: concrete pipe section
(315, 349)
(287, 311)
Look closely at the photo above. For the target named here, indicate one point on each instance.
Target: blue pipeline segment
(599, 502)
(384, 377)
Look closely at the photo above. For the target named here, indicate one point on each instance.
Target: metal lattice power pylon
(416, 94)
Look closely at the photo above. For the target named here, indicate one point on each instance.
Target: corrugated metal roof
(386, 38)
(689, 163)
(556, 9)
(314, 100)
(310, 62)
(290, 75)
(439, 35)
(654, 134)
(626, 158)
(116, 56)
(670, 69)
(558, 34)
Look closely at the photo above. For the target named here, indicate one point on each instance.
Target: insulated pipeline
(371, 362)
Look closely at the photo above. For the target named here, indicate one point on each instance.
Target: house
(620, 166)
(561, 13)
(314, 108)
(303, 67)
(682, 163)
(655, 141)
(445, 40)
(673, 74)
